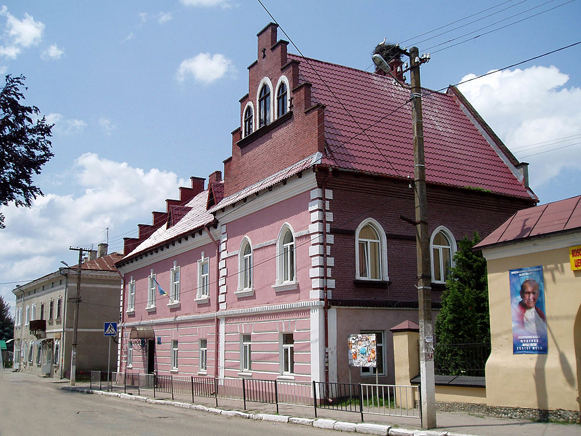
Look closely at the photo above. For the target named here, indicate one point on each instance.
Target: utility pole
(77, 300)
(428, 389)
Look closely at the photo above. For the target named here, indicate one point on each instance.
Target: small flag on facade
(160, 289)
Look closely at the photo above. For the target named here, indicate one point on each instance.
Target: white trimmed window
(174, 355)
(264, 106)
(286, 270)
(131, 296)
(203, 277)
(175, 283)
(50, 310)
(27, 318)
(129, 354)
(33, 312)
(151, 290)
(203, 355)
(18, 316)
(31, 352)
(248, 120)
(245, 267)
(370, 251)
(288, 353)
(281, 99)
(379, 355)
(246, 352)
(442, 248)
(59, 308)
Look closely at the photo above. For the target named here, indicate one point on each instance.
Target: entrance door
(150, 356)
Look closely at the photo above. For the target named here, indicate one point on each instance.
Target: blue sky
(144, 94)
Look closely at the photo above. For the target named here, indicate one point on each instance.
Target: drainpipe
(217, 320)
(325, 289)
(64, 315)
(122, 319)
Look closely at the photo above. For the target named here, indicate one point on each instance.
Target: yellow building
(534, 283)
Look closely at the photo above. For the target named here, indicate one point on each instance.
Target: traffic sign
(110, 329)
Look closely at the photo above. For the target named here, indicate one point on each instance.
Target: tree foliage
(6, 321)
(464, 317)
(24, 146)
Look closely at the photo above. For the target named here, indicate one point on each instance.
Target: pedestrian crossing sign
(110, 329)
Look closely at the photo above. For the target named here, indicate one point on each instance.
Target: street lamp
(427, 380)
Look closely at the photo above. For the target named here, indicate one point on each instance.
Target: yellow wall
(460, 394)
(540, 381)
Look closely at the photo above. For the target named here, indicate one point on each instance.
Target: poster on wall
(362, 350)
(529, 324)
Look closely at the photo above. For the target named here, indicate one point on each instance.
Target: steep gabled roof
(196, 217)
(545, 220)
(368, 128)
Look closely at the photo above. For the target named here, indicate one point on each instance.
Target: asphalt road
(35, 406)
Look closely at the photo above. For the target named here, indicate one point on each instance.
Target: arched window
(248, 121)
(371, 252)
(286, 260)
(281, 100)
(264, 106)
(442, 247)
(245, 267)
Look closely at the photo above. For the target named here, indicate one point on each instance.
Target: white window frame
(383, 267)
(264, 82)
(203, 294)
(283, 262)
(59, 308)
(151, 290)
(27, 316)
(246, 353)
(56, 354)
(175, 277)
(203, 356)
(131, 296)
(174, 354)
(453, 248)
(245, 269)
(379, 350)
(287, 364)
(129, 354)
(51, 310)
(33, 312)
(249, 106)
(282, 80)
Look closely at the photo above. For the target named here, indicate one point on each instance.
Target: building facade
(44, 314)
(267, 272)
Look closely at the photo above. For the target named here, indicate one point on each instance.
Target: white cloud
(53, 52)
(206, 3)
(529, 107)
(19, 34)
(107, 126)
(65, 126)
(204, 68)
(114, 194)
(164, 17)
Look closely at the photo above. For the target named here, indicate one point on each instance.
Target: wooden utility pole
(77, 300)
(428, 390)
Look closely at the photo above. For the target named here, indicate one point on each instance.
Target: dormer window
(264, 106)
(281, 100)
(248, 121)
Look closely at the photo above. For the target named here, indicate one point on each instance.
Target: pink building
(269, 271)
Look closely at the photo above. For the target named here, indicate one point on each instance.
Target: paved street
(32, 406)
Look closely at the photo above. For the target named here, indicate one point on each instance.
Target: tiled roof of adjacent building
(368, 128)
(105, 263)
(545, 220)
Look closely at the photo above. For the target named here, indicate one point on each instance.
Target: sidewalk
(454, 424)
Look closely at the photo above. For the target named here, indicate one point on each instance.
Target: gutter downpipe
(64, 315)
(122, 319)
(325, 289)
(217, 320)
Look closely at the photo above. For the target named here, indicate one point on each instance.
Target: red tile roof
(369, 128)
(105, 263)
(547, 219)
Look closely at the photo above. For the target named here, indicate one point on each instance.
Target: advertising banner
(362, 350)
(529, 324)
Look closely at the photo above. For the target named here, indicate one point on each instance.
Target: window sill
(244, 293)
(245, 374)
(130, 312)
(203, 372)
(151, 308)
(286, 286)
(203, 300)
(174, 370)
(174, 304)
(286, 377)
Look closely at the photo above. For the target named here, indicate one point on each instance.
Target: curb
(328, 424)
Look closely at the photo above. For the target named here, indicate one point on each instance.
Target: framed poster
(362, 350)
(529, 323)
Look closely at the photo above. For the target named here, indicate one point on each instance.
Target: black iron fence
(359, 398)
(461, 359)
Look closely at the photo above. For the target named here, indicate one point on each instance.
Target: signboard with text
(575, 257)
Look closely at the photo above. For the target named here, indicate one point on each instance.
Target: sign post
(110, 330)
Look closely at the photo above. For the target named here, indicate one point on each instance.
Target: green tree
(464, 317)
(24, 146)
(6, 321)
